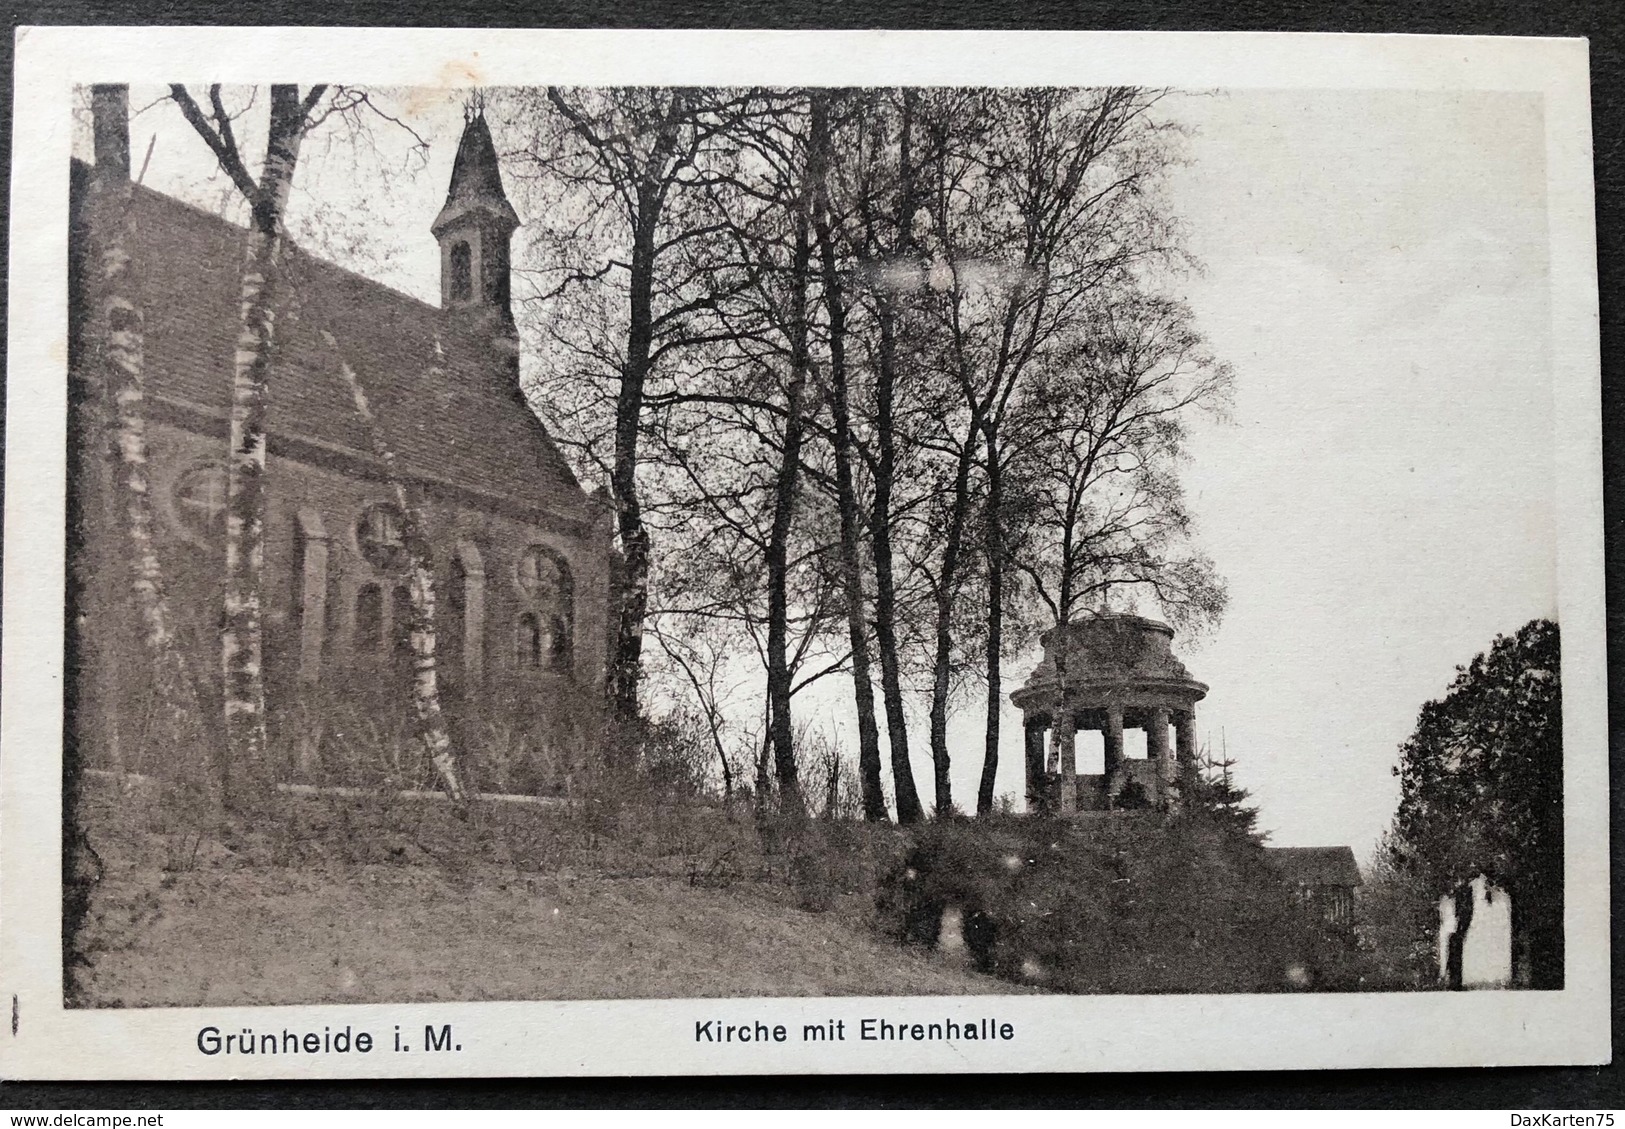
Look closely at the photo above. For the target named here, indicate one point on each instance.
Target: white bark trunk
(120, 336)
(241, 640)
(431, 723)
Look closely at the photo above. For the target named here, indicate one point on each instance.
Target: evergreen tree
(1212, 797)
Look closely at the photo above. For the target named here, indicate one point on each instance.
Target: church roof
(1316, 866)
(444, 403)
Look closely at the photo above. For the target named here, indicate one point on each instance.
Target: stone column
(1066, 727)
(312, 596)
(1185, 746)
(1156, 744)
(1113, 734)
(1034, 750)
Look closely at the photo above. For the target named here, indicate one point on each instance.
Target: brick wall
(317, 503)
(339, 500)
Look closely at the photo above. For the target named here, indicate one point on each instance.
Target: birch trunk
(120, 333)
(431, 721)
(241, 646)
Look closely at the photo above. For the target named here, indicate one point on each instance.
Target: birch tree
(120, 341)
(291, 118)
(241, 643)
(431, 723)
(1095, 465)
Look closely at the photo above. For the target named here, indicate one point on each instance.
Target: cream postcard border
(1053, 1033)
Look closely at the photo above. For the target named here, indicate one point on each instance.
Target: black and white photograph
(876, 565)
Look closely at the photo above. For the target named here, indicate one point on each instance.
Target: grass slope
(414, 933)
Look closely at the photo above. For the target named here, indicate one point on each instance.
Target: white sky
(1381, 503)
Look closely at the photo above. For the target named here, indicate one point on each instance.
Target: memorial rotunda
(1110, 672)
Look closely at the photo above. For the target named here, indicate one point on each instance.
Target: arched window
(380, 535)
(400, 625)
(544, 579)
(451, 628)
(528, 642)
(200, 502)
(556, 643)
(462, 272)
(369, 619)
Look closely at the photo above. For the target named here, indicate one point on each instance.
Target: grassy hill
(192, 923)
(380, 897)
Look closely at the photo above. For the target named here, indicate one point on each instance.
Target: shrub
(1133, 903)
(949, 864)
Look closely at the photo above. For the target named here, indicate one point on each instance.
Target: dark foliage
(1213, 799)
(1482, 792)
(1136, 904)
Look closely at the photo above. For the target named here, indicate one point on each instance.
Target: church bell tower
(473, 230)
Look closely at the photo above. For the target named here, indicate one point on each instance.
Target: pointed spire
(476, 177)
(474, 229)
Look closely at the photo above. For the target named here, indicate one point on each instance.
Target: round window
(200, 502)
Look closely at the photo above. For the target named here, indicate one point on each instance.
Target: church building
(521, 551)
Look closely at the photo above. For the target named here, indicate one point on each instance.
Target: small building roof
(1316, 866)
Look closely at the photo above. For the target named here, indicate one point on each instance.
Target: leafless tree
(886, 201)
(623, 271)
(701, 661)
(1097, 465)
(291, 118)
(1047, 201)
(849, 426)
(431, 723)
(825, 220)
(241, 641)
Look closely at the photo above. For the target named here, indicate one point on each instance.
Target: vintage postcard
(745, 552)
